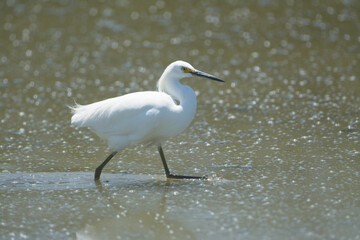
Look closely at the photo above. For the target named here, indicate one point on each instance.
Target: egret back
(134, 118)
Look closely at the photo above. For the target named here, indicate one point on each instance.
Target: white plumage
(147, 117)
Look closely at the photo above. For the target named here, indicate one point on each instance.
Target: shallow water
(279, 139)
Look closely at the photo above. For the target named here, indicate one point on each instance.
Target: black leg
(167, 171)
(101, 166)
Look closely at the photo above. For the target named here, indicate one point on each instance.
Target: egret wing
(123, 116)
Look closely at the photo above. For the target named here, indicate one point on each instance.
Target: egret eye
(185, 69)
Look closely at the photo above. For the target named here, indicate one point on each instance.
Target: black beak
(202, 74)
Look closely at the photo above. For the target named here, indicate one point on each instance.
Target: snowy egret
(148, 117)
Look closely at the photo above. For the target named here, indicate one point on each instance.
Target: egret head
(180, 69)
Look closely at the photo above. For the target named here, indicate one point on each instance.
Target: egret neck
(182, 94)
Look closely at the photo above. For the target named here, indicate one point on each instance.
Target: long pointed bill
(202, 74)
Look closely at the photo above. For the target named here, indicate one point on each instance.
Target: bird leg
(167, 171)
(101, 166)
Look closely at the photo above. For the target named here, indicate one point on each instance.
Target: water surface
(279, 139)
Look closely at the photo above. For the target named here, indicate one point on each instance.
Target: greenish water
(280, 138)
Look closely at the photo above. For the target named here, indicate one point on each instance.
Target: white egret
(148, 117)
